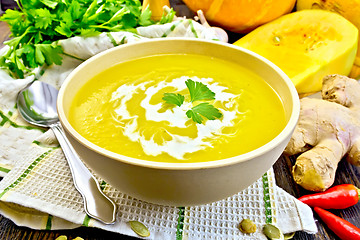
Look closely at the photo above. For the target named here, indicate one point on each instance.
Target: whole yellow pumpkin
(241, 16)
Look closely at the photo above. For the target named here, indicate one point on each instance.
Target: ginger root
(328, 129)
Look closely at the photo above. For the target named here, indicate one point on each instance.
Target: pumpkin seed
(277, 39)
(289, 235)
(272, 232)
(61, 237)
(247, 226)
(316, 6)
(139, 228)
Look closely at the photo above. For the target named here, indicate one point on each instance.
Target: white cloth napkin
(37, 189)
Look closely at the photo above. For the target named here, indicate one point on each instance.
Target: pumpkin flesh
(306, 45)
(350, 9)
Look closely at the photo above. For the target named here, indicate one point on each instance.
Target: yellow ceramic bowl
(180, 184)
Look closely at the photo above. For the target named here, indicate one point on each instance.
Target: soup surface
(122, 109)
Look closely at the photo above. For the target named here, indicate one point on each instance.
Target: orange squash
(241, 16)
(349, 9)
(307, 45)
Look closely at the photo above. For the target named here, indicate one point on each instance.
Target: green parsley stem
(18, 2)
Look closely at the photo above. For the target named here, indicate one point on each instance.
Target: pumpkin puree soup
(122, 109)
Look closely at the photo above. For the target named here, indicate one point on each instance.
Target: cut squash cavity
(349, 9)
(307, 45)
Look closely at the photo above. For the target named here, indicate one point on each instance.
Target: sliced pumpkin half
(307, 45)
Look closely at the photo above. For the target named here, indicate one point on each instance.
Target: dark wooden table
(346, 174)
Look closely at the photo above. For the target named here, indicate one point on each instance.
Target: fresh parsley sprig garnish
(205, 109)
(198, 91)
(173, 98)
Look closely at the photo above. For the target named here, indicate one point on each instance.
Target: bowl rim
(280, 137)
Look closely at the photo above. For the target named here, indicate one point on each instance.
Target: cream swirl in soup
(178, 144)
(122, 109)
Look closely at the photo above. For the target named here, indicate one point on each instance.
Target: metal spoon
(37, 105)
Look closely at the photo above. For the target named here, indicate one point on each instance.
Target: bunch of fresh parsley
(198, 91)
(39, 23)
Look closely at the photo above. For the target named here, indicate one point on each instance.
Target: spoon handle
(97, 204)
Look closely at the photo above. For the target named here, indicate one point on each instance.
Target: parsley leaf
(12, 16)
(144, 18)
(51, 53)
(205, 109)
(49, 3)
(64, 29)
(75, 10)
(173, 98)
(199, 91)
(168, 17)
(43, 18)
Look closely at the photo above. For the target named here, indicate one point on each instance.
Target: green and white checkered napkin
(37, 189)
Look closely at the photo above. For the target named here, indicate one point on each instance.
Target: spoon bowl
(37, 105)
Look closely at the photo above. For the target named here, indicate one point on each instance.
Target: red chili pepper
(342, 228)
(338, 197)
